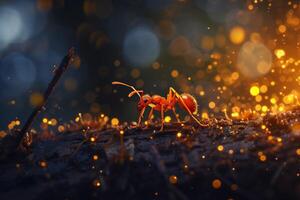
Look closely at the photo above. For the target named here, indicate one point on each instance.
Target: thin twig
(11, 142)
(58, 73)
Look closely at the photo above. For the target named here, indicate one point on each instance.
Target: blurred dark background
(151, 44)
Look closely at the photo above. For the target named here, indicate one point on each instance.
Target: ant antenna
(124, 84)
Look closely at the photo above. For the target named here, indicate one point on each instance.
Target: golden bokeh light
(216, 183)
(254, 90)
(114, 121)
(237, 35)
(173, 179)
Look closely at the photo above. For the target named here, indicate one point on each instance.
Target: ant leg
(162, 118)
(176, 115)
(141, 116)
(150, 115)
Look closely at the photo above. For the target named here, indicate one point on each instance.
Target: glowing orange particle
(220, 148)
(250, 7)
(298, 151)
(279, 53)
(168, 119)
(212, 105)
(173, 179)
(282, 28)
(61, 128)
(45, 120)
(254, 91)
(114, 122)
(43, 164)
(263, 158)
(179, 134)
(174, 73)
(237, 35)
(95, 157)
(216, 184)
(96, 183)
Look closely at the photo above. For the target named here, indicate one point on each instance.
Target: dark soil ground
(143, 163)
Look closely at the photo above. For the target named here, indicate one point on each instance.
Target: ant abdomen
(190, 102)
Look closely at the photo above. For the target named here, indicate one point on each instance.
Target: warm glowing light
(235, 75)
(53, 122)
(264, 108)
(216, 184)
(202, 93)
(298, 151)
(263, 158)
(212, 105)
(237, 35)
(279, 53)
(168, 119)
(95, 157)
(204, 115)
(258, 98)
(18, 122)
(45, 120)
(220, 148)
(254, 91)
(92, 139)
(43, 164)
(273, 100)
(282, 28)
(96, 183)
(250, 7)
(257, 107)
(179, 135)
(263, 89)
(272, 83)
(288, 99)
(235, 114)
(61, 128)
(173, 179)
(2, 134)
(114, 121)
(77, 119)
(174, 73)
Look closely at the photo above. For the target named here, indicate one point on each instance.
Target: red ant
(162, 104)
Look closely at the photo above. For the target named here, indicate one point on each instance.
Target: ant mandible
(162, 104)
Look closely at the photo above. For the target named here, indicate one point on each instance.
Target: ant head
(145, 100)
(190, 102)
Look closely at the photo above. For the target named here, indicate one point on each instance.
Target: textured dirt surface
(254, 163)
